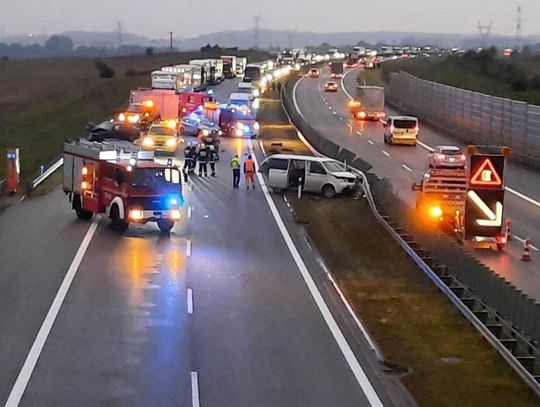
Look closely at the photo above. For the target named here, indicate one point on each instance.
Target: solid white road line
(189, 301)
(195, 390)
(29, 365)
(407, 168)
(370, 141)
(424, 145)
(343, 82)
(262, 147)
(386, 153)
(523, 196)
(188, 248)
(523, 241)
(346, 350)
(349, 126)
(295, 101)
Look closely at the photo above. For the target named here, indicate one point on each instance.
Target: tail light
(416, 128)
(463, 157)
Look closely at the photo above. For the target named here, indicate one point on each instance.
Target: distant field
(455, 72)
(45, 101)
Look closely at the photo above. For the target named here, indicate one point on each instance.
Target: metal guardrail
(2, 186)
(317, 142)
(47, 173)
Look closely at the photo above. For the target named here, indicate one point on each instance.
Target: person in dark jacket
(188, 158)
(202, 157)
(212, 157)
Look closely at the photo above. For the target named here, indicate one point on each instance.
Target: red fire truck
(123, 182)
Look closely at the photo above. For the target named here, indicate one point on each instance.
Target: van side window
(316, 168)
(279, 163)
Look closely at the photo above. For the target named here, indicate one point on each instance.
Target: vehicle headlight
(147, 141)
(175, 214)
(171, 142)
(136, 214)
(238, 132)
(206, 132)
(240, 126)
(256, 126)
(134, 119)
(219, 132)
(256, 104)
(121, 117)
(256, 93)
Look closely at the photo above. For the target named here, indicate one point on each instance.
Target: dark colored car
(113, 130)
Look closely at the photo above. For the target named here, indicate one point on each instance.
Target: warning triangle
(486, 175)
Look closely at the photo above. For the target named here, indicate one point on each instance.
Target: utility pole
(119, 32)
(518, 26)
(170, 42)
(257, 23)
(484, 30)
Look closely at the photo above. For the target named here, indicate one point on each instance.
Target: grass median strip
(416, 327)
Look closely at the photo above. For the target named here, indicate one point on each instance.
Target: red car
(314, 73)
(330, 86)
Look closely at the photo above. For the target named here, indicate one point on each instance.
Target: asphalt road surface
(328, 113)
(219, 313)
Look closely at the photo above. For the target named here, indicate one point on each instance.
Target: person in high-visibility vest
(235, 165)
(249, 170)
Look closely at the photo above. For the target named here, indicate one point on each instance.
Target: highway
(328, 113)
(223, 312)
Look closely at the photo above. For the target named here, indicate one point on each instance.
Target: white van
(248, 88)
(321, 175)
(401, 130)
(243, 99)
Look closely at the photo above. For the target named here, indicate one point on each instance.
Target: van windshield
(405, 124)
(334, 166)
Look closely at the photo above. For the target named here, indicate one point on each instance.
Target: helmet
(212, 148)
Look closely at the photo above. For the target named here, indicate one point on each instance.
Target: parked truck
(369, 103)
(122, 182)
(336, 69)
(229, 66)
(241, 63)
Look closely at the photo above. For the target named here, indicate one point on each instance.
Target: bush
(149, 51)
(105, 71)
(519, 83)
(132, 72)
(535, 82)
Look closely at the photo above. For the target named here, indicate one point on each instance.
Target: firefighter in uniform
(188, 158)
(212, 157)
(202, 157)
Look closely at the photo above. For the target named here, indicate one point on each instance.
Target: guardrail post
(300, 188)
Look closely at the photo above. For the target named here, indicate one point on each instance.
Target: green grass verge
(46, 101)
(414, 324)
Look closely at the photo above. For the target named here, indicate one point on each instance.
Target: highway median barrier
(492, 299)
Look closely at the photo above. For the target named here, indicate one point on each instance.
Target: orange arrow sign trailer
(484, 206)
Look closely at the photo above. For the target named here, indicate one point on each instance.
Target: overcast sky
(191, 18)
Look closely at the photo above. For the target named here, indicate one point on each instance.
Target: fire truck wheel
(83, 214)
(165, 225)
(117, 224)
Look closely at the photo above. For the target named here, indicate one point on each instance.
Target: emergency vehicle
(166, 101)
(123, 182)
(190, 101)
(238, 121)
(140, 114)
(441, 196)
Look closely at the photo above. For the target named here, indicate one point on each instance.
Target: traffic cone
(507, 230)
(526, 256)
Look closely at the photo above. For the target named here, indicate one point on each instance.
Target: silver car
(447, 157)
